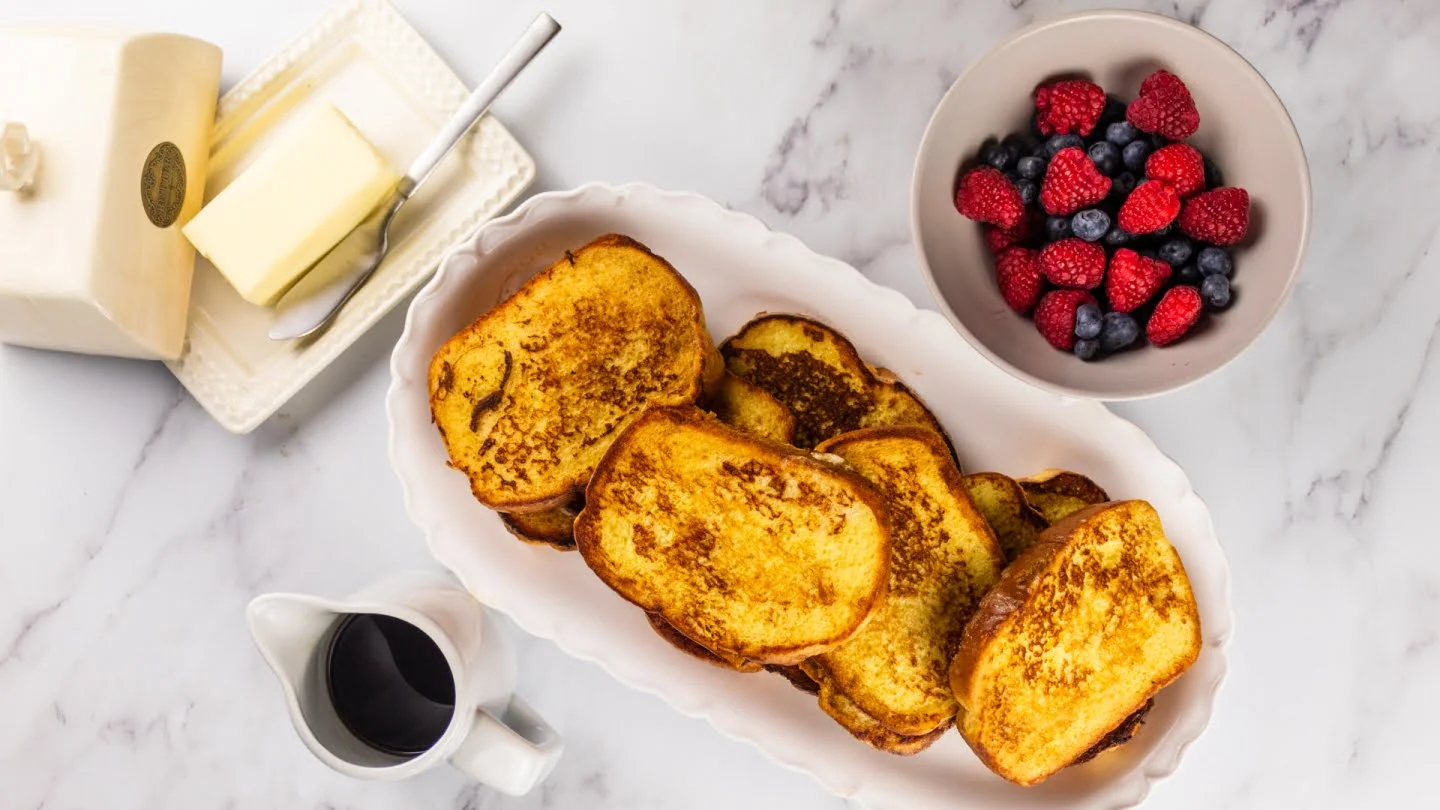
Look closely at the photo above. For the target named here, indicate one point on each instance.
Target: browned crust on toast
(588, 538)
(863, 726)
(685, 644)
(1056, 494)
(570, 483)
(822, 414)
(1009, 597)
(796, 676)
(552, 528)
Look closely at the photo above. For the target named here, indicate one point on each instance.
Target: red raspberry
(1073, 262)
(1072, 182)
(1055, 316)
(1150, 207)
(1133, 280)
(987, 195)
(1180, 165)
(1220, 217)
(1071, 106)
(1017, 270)
(1164, 107)
(1178, 310)
(1000, 238)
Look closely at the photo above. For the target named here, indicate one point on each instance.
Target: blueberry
(995, 155)
(1017, 144)
(1215, 261)
(1114, 110)
(1117, 237)
(1189, 274)
(1028, 189)
(1122, 185)
(1215, 292)
(1213, 177)
(1118, 330)
(1086, 349)
(1041, 151)
(1058, 142)
(1090, 224)
(1176, 251)
(1106, 157)
(1087, 321)
(1121, 133)
(1157, 141)
(1031, 168)
(1135, 154)
(1057, 228)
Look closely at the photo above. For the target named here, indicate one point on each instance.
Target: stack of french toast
(778, 504)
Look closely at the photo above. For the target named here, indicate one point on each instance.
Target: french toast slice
(746, 406)
(684, 644)
(943, 559)
(868, 730)
(817, 373)
(750, 548)
(1083, 629)
(796, 676)
(1001, 500)
(553, 527)
(529, 396)
(1057, 494)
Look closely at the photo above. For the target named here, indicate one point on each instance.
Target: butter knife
(321, 293)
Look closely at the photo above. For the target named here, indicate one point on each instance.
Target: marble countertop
(133, 529)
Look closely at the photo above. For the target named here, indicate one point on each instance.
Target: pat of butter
(295, 202)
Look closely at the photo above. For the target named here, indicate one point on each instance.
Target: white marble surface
(133, 529)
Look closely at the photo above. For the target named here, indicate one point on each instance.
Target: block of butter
(295, 202)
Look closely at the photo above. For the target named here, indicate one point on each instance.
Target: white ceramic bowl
(740, 268)
(1243, 127)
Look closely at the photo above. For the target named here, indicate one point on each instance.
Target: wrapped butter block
(112, 130)
(299, 198)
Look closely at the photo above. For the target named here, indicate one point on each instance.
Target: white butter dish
(115, 127)
(366, 60)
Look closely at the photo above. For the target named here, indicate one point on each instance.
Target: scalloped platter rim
(740, 268)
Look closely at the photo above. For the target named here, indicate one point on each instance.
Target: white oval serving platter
(741, 268)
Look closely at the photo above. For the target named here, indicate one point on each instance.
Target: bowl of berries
(1111, 204)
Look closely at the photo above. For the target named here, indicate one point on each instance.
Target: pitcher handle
(512, 753)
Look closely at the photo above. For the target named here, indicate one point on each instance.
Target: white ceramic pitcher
(493, 736)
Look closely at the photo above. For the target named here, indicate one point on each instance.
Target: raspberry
(1220, 217)
(1072, 182)
(1150, 207)
(1071, 106)
(1073, 262)
(1180, 165)
(1000, 238)
(1017, 271)
(1133, 280)
(1178, 310)
(987, 195)
(1164, 107)
(1055, 316)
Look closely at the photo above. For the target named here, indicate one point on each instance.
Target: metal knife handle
(535, 38)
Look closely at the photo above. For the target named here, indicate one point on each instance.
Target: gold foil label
(162, 184)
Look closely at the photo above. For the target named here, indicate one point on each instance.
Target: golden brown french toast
(943, 559)
(1057, 494)
(553, 527)
(1083, 629)
(746, 406)
(868, 730)
(684, 644)
(529, 396)
(816, 372)
(750, 548)
(1001, 500)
